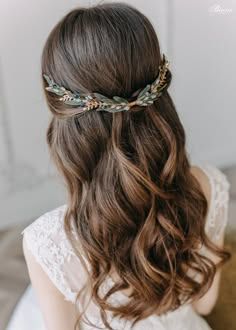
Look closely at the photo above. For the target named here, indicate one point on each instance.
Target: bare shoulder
(203, 180)
(58, 313)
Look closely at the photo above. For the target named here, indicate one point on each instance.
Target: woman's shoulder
(46, 239)
(47, 232)
(212, 179)
(215, 185)
(211, 172)
(50, 221)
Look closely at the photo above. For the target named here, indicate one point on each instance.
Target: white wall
(204, 49)
(200, 46)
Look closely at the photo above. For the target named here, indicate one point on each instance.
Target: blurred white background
(199, 40)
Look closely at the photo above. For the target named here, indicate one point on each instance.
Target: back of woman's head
(137, 208)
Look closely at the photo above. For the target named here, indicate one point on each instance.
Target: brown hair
(136, 206)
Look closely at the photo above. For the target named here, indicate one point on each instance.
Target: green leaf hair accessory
(99, 102)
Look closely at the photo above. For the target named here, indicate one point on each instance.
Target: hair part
(135, 203)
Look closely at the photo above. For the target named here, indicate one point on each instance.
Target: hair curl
(136, 205)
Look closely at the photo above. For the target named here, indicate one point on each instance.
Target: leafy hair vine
(99, 102)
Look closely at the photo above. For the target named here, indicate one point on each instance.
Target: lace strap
(46, 240)
(218, 209)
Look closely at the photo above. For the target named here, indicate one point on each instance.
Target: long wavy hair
(136, 206)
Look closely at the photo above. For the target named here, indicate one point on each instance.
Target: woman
(139, 243)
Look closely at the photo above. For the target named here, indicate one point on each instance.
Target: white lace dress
(46, 239)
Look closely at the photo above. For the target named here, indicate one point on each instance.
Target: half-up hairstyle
(136, 206)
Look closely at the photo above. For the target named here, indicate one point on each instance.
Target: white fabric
(47, 241)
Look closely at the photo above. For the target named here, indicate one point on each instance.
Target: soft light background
(198, 38)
